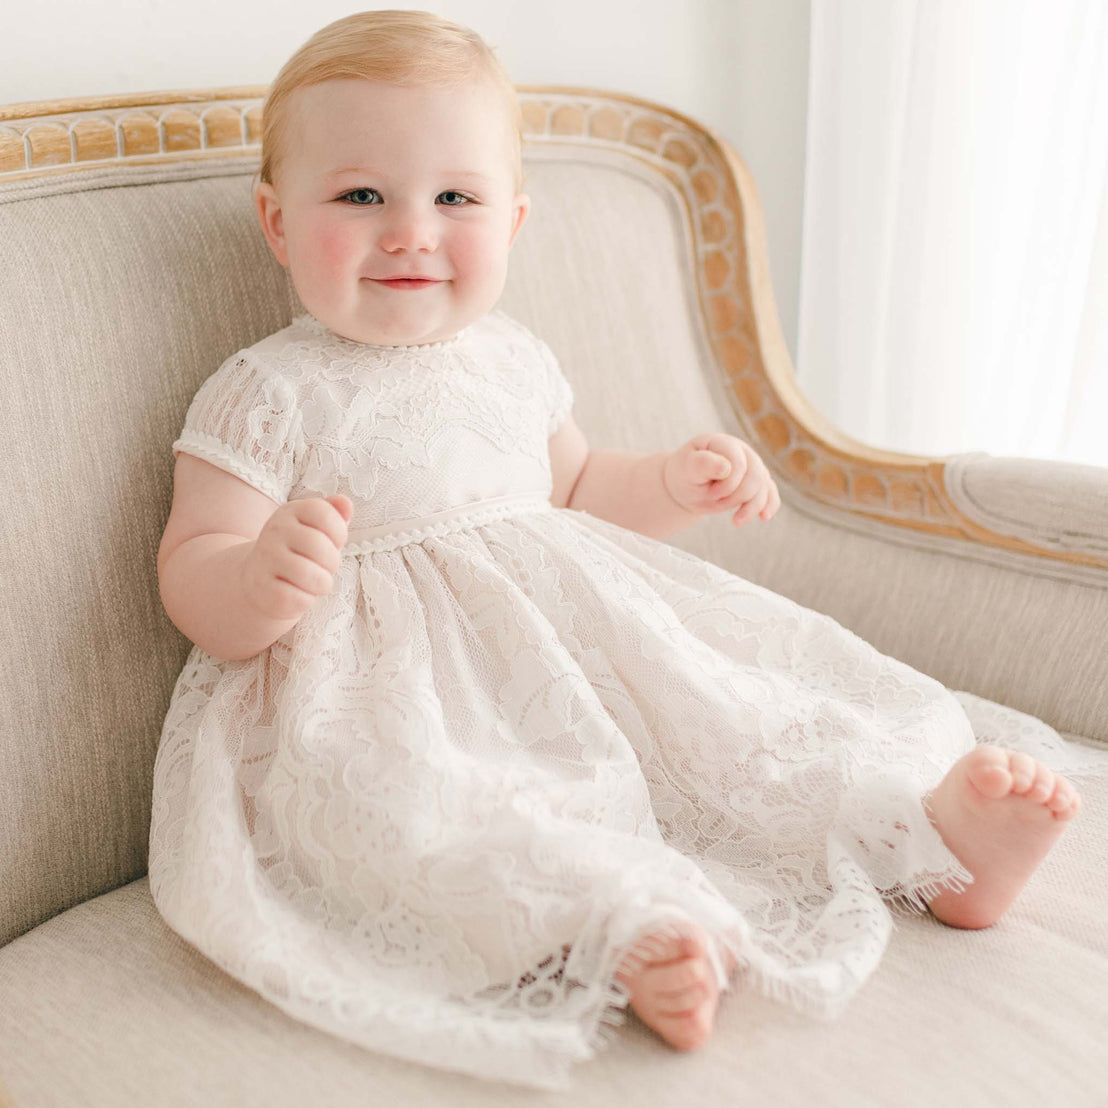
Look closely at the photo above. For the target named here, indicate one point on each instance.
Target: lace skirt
(434, 816)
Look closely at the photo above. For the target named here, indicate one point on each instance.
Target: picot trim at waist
(389, 536)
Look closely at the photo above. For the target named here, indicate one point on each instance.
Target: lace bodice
(404, 431)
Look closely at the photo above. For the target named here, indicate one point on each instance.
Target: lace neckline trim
(310, 322)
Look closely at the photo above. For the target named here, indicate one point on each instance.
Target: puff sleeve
(559, 392)
(246, 420)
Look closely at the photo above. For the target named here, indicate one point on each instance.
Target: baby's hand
(296, 555)
(718, 472)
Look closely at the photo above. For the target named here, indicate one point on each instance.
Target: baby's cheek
(337, 252)
(478, 255)
(328, 249)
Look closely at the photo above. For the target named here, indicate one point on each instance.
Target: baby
(394, 201)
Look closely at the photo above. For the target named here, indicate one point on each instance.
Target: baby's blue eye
(354, 192)
(464, 199)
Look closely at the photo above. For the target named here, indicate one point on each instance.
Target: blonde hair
(398, 47)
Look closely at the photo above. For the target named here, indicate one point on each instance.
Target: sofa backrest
(133, 265)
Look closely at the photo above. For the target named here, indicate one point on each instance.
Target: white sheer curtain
(954, 279)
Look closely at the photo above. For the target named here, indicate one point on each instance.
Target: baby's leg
(999, 812)
(673, 986)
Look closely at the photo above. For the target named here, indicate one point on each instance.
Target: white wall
(739, 66)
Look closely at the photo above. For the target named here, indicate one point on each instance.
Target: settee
(132, 263)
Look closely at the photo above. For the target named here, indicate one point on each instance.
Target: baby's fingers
(315, 545)
(772, 504)
(752, 507)
(315, 512)
(302, 573)
(705, 466)
(281, 584)
(757, 477)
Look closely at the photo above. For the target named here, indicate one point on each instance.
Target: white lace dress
(432, 816)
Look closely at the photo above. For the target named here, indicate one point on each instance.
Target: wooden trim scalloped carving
(40, 138)
(51, 137)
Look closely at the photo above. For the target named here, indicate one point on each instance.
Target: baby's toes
(1042, 785)
(657, 949)
(1064, 801)
(649, 949)
(988, 771)
(669, 947)
(689, 973)
(678, 1004)
(1022, 768)
(702, 1023)
(689, 1030)
(681, 987)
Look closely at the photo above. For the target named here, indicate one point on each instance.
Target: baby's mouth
(408, 283)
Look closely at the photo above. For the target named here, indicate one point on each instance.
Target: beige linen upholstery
(126, 282)
(1010, 1016)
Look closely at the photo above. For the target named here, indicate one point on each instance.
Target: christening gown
(433, 816)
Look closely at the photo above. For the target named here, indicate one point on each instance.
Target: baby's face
(384, 182)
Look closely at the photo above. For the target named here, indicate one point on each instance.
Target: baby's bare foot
(673, 986)
(999, 812)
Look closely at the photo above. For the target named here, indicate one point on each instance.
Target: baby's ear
(273, 227)
(521, 209)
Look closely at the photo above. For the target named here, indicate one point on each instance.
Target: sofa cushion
(105, 1005)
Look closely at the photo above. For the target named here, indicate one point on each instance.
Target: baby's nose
(409, 229)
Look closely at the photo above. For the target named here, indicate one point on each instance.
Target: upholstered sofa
(132, 263)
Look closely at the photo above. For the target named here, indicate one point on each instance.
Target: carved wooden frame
(41, 138)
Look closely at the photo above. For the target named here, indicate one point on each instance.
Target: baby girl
(466, 757)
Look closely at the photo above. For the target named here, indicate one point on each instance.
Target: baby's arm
(663, 493)
(208, 571)
(622, 486)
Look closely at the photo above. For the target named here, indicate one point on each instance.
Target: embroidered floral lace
(433, 816)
